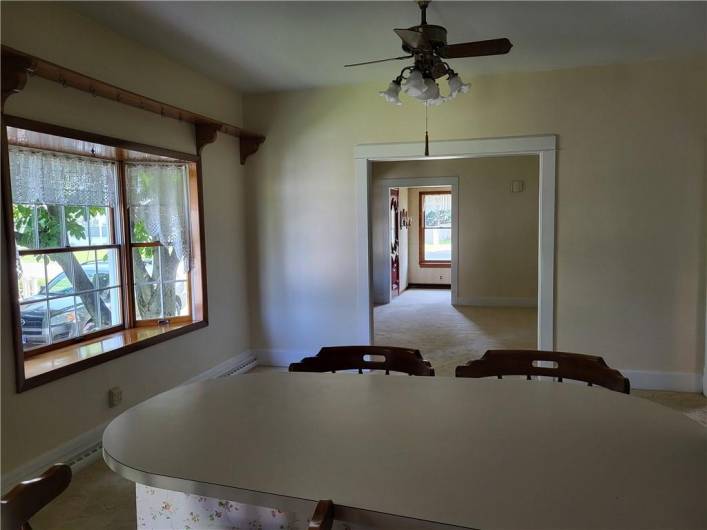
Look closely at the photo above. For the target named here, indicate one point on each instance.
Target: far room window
(107, 244)
(435, 229)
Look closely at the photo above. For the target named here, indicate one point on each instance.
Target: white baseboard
(280, 357)
(497, 301)
(675, 381)
(86, 448)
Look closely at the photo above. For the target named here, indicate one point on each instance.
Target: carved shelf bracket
(249, 145)
(15, 70)
(204, 134)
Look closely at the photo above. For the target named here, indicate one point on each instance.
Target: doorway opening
(455, 258)
(420, 243)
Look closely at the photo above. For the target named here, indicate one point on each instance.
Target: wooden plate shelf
(18, 66)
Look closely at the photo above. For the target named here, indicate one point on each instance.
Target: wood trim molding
(17, 66)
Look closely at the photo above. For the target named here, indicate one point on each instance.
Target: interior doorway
(543, 146)
(459, 274)
(421, 247)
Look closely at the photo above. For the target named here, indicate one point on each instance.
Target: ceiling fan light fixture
(392, 93)
(414, 85)
(431, 91)
(457, 86)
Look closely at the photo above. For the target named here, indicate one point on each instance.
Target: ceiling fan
(427, 44)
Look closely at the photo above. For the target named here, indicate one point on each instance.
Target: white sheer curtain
(158, 196)
(43, 177)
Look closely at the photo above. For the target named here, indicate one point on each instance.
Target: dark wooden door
(394, 242)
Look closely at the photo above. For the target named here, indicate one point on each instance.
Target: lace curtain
(158, 196)
(43, 177)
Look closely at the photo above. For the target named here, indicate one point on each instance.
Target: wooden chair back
(20, 504)
(323, 517)
(336, 358)
(590, 369)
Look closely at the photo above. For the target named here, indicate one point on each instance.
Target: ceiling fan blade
(476, 49)
(413, 39)
(379, 61)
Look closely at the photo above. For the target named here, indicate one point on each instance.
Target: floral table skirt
(159, 509)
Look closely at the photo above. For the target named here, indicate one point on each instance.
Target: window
(68, 270)
(435, 229)
(106, 240)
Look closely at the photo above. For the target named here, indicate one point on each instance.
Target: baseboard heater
(429, 286)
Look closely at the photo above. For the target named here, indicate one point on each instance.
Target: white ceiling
(265, 46)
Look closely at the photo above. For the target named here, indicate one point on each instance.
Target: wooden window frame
(126, 333)
(425, 263)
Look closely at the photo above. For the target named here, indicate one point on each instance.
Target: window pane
(63, 322)
(33, 318)
(49, 226)
(60, 273)
(99, 225)
(31, 278)
(438, 244)
(438, 210)
(175, 299)
(148, 301)
(87, 322)
(84, 270)
(108, 268)
(23, 216)
(111, 299)
(76, 225)
(146, 265)
(172, 265)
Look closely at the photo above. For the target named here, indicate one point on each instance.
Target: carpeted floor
(447, 335)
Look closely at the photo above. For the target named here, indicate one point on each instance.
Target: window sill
(45, 367)
(436, 264)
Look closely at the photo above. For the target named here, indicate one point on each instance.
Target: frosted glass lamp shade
(431, 89)
(414, 85)
(392, 94)
(456, 86)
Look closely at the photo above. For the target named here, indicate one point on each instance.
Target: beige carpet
(447, 335)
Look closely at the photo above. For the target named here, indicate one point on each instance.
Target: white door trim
(453, 182)
(544, 146)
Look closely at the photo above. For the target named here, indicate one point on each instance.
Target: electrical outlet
(115, 396)
(441, 278)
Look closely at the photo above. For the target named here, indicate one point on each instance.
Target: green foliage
(438, 217)
(49, 223)
(140, 234)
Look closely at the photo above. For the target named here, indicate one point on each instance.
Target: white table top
(476, 453)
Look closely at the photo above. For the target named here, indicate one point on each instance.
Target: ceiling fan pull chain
(427, 138)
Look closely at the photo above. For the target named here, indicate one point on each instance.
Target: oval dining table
(422, 452)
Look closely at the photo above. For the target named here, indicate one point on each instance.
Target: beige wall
(498, 230)
(417, 273)
(630, 231)
(43, 418)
